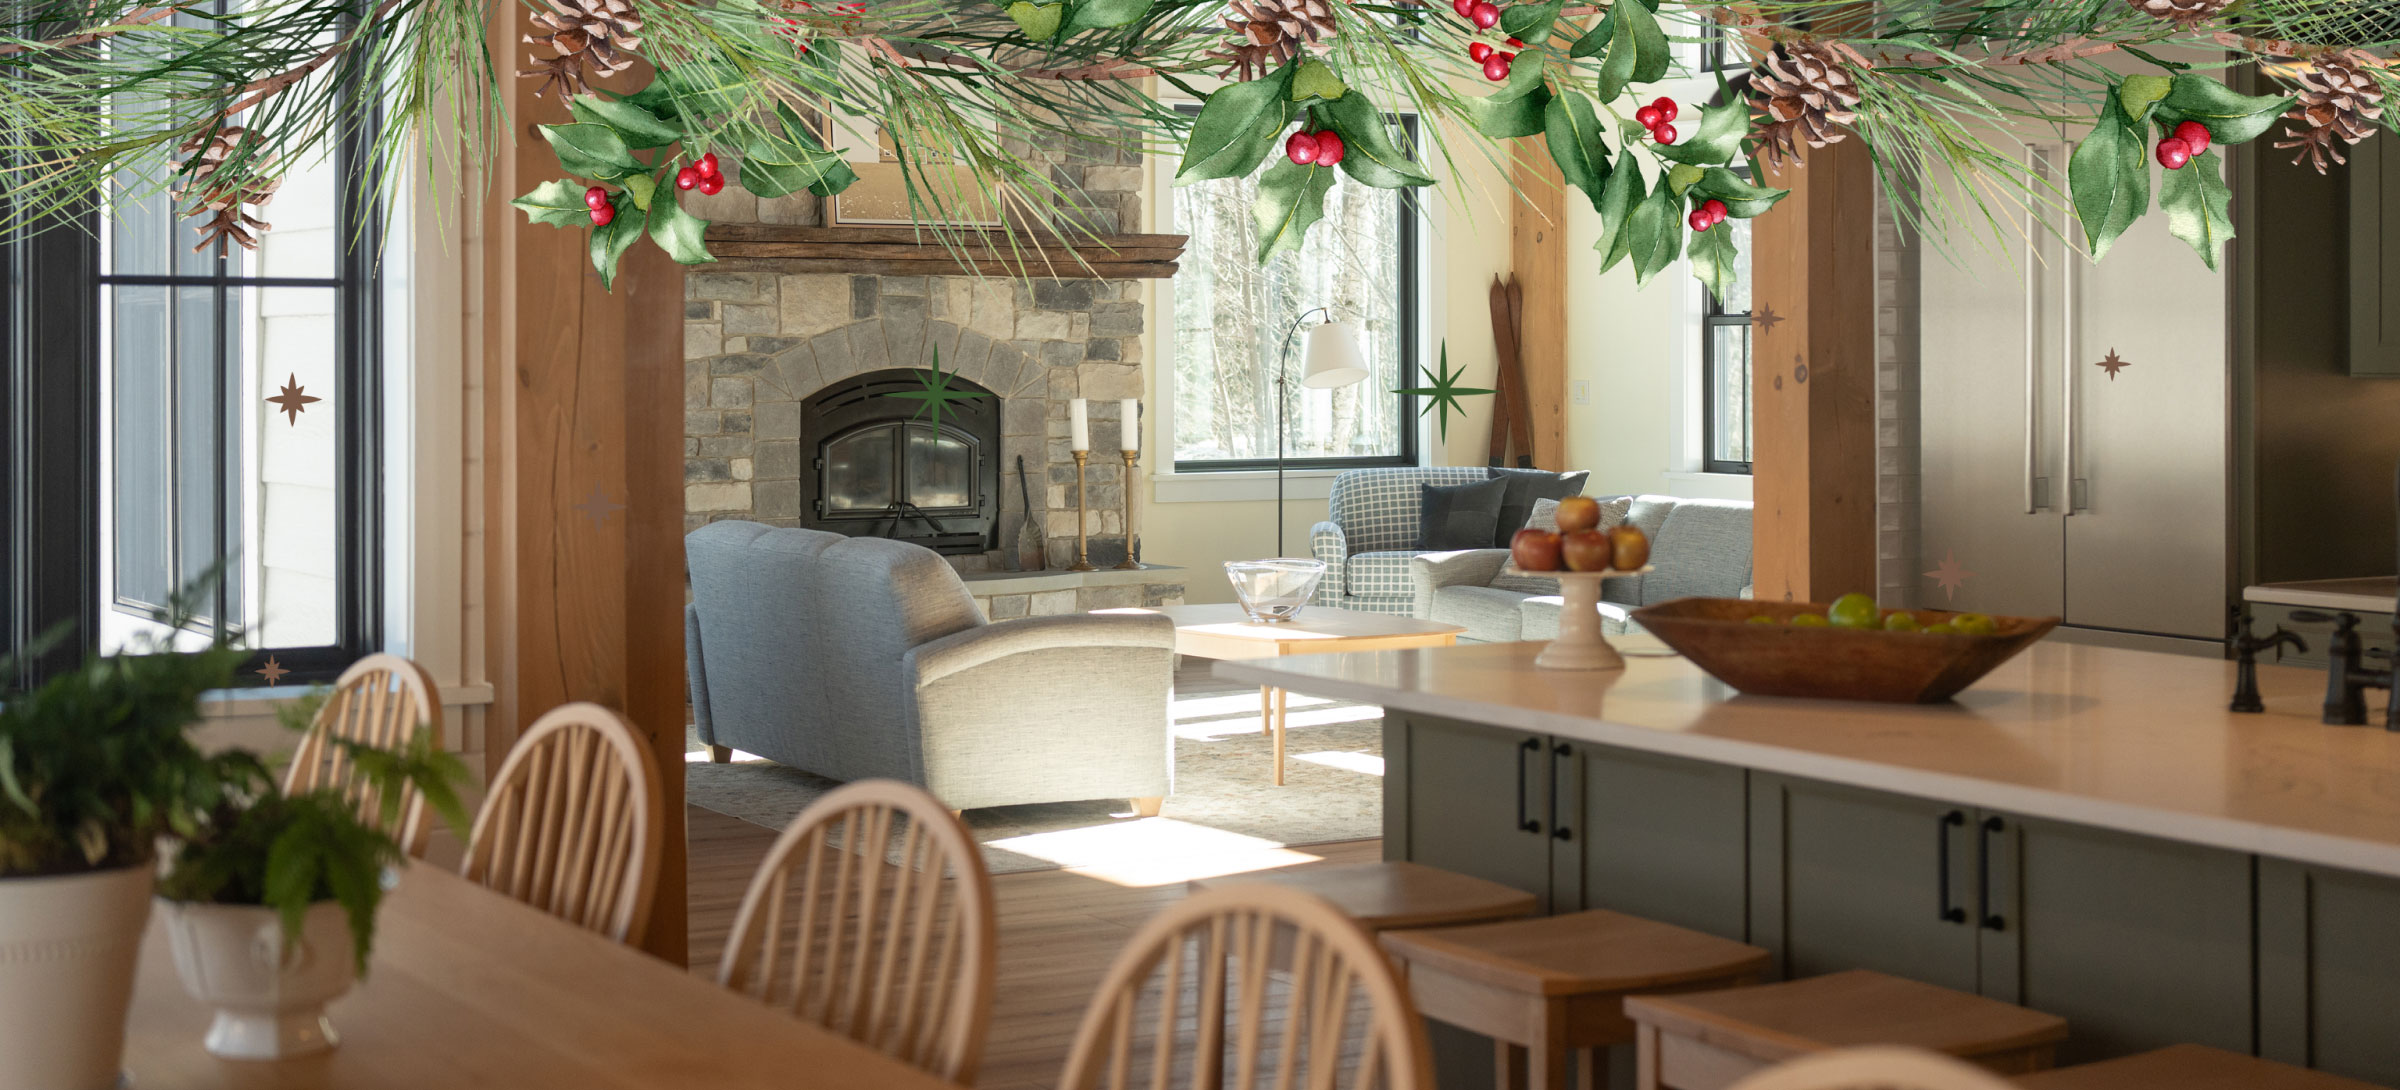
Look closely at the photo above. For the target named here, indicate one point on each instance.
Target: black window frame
(1714, 316)
(1408, 314)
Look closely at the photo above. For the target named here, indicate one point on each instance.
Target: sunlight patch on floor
(1212, 706)
(1292, 720)
(1346, 760)
(700, 756)
(1153, 851)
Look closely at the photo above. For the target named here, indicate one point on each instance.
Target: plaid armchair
(1370, 538)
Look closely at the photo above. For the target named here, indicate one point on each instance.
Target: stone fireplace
(882, 465)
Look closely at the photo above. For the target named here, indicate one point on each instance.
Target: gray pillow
(1525, 488)
(1459, 516)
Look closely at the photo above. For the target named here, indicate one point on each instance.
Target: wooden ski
(1504, 340)
(1512, 377)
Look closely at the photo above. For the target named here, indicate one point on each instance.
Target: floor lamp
(1334, 358)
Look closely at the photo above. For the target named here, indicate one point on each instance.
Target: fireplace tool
(1029, 536)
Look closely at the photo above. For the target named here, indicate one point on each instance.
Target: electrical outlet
(1583, 391)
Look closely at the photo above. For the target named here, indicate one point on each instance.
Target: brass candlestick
(1129, 564)
(1083, 559)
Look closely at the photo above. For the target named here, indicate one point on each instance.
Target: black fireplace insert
(882, 469)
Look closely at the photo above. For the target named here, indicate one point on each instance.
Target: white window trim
(1686, 433)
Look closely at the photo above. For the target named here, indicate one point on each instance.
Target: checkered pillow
(1379, 509)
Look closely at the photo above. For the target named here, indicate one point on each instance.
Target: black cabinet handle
(1991, 921)
(1941, 839)
(1558, 753)
(1524, 748)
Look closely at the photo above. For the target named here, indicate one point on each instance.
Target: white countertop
(2130, 740)
(2369, 595)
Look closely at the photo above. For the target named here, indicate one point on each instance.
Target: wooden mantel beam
(903, 251)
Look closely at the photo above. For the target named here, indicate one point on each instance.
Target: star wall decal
(1766, 318)
(1442, 391)
(273, 671)
(597, 507)
(291, 401)
(2112, 363)
(937, 393)
(1951, 575)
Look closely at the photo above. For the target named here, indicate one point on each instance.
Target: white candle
(1079, 429)
(1129, 424)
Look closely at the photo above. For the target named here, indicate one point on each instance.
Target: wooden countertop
(2130, 740)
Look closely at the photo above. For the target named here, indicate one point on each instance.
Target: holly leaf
(1237, 125)
(2198, 205)
(1742, 200)
(2231, 117)
(1619, 198)
(636, 126)
(1095, 14)
(1038, 21)
(1573, 132)
(1291, 199)
(695, 90)
(1530, 23)
(1500, 118)
(1719, 136)
(1683, 176)
(1315, 79)
(1657, 233)
(681, 234)
(1650, 44)
(1369, 154)
(1523, 79)
(640, 187)
(591, 151)
(609, 243)
(1616, 69)
(1713, 258)
(1597, 38)
(2137, 94)
(2108, 178)
(557, 202)
(775, 163)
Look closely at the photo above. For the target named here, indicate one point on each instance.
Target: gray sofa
(864, 657)
(1369, 538)
(1700, 548)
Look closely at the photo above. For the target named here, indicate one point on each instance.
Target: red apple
(1578, 513)
(1534, 549)
(1632, 545)
(1587, 550)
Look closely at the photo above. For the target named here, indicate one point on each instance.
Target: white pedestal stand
(1579, 645)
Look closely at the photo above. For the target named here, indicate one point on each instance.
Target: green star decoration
(937, 390)
(1443, 391)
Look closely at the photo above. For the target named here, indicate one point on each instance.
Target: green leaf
(2108, 178)
(2231, 117)
(696, 90)
(636, 126)
(1038, 21)
(1650, 44)
(1517, 115)
(679, 233)
(1597, 38)
(1316, 80)
(1573, 132)
(1530, 23)
(1094, 14)
(1713, 259)
(1291, 198)
(1719, 136)
(640, 187)
(787, 159)
(1618, 201)
(2198, 205)
(557, 202)
(1683, 176)
(1742, 200)
(1236, 127)
(591, 151)
(609, 243)
(1369, 154)
(1657, 233)
(1616, 69)
(2138, 93)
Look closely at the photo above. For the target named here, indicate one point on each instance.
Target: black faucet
(2246, 648)
(2346, 679)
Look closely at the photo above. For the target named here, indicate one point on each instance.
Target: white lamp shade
(1335, 357)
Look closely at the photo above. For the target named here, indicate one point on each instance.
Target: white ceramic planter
(270, 995)
(68, 947)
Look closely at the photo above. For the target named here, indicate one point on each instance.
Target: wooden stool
(1711, 1040)
(1394, 895)
(1543, 988)
(2188, 1067)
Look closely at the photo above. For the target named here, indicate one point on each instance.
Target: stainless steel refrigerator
(2074, 429)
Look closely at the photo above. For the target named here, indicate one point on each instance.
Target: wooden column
(1812, 262)
(583, 429)
(1538, 254)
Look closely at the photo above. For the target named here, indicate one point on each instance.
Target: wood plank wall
(583, 412)
(1538, 254)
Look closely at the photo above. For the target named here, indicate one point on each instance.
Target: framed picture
(879, 197)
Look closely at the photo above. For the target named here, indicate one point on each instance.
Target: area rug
(1225, 800)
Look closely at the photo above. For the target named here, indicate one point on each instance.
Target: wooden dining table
(470, 989)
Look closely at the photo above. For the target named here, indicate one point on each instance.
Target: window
(1725, 367)
(1231, 317)
(226, 414)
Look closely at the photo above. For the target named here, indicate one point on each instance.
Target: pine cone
(600, 35)
(222, 198)
(2181, 12)
(2338, 105)
(1804, 91)
(1269, 32)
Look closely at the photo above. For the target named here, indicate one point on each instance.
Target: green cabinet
(1842, 878)
(1658, 837)
(2375, 260)
(1470, 799)
(2329, 969)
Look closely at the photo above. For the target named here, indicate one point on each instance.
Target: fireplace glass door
(875, 469)
(880, 471)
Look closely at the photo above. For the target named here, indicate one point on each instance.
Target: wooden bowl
(1832, 663)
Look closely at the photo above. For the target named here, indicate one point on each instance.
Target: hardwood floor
(1058, 932)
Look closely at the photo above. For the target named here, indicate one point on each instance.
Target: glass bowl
(1273, 591)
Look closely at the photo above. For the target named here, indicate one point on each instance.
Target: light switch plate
(1583, 391)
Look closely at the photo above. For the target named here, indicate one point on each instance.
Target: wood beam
(1538, 254)
(1812, 262)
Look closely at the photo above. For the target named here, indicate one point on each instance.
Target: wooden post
(583, 427)
(1538, 254)
(1812, 262)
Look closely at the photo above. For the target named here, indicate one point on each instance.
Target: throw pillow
(1525, 487)
(1459, 516)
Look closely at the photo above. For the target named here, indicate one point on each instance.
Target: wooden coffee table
(1225, 632)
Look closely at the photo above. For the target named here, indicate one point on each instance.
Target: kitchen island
(2087, 830)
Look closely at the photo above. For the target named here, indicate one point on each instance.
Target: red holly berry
(1485, 14)
(687, 177)
(1648, 117)
(712, 184)
(1663, 133)
(602, 214)
(595, 197)
(1464, 8)
(1301, 147)
(1699, 220)
(1330, 148)
(1477, 51)
(1715, 209)
(1666, 107)
(1506, 56)
(2194, 136)
(2173, 153)
(1515, 44)
(1495, 67)
(708, 165)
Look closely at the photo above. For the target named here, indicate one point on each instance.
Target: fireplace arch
(881, 468)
